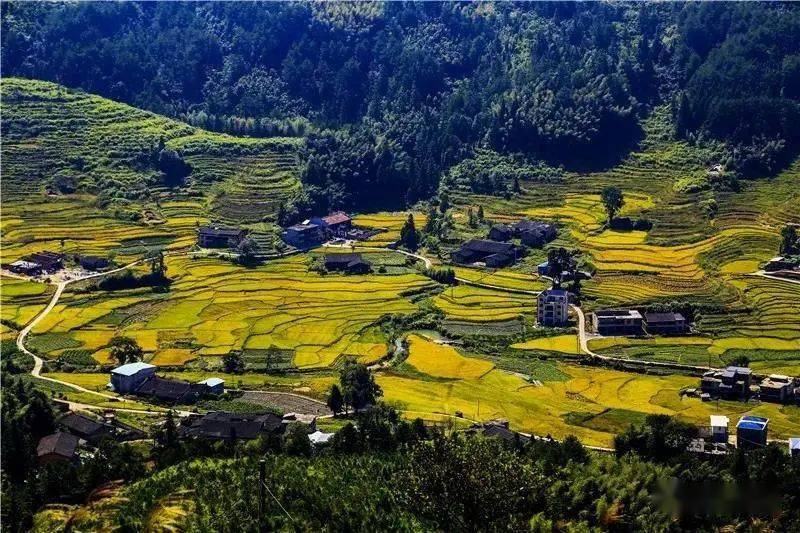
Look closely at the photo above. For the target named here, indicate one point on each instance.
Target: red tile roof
(336, 218)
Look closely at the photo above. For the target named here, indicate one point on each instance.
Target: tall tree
(409, 236)
(613, 200)
(358, 385)
(125, 350)
(335, 400)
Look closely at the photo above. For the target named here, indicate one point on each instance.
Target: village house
(780, 263)
(719, 428)
(751, 432)
(350, 263)
(500, 232)
(85, 427)
(618, 322)
(665, 323)
(38, 263)
(534, 233)
(492, 254)
(553, 308)
(732, 382)
(171, 391)
(530, 232)
(334, 225)
(231, 426)
(213, 386)
(498, 429)
(305, 235)
(57, 447)
(219, 237)
(776, 388)
(26, 268)
(126, 378)
(543, 269)
(92, 262)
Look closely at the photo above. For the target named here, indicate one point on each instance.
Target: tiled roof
(58, 443)
(336, 218)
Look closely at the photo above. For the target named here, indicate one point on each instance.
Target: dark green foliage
(233, 363)
(442, 275)
(247, 252)
(612, 200)
(559, 262)
(391, 103)
(358, 385)
(125, 350)
(128, 280)
(472, 485)
(661, 438)
(790, 243)
(295, 441)
(335, 400)
(409, 236)
(173, 166)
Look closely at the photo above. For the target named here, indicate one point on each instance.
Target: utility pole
(262, 497)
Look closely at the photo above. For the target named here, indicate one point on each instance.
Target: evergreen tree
(335, 400)
(409, 237)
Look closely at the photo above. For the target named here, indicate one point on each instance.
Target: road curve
(37, 361)
(584, 346)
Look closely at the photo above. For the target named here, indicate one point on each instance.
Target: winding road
(37, 361)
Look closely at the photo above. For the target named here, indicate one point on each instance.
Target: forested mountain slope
(396, 93)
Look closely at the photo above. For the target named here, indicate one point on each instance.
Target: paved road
(584, 345)
(764, 274)
(37, 361)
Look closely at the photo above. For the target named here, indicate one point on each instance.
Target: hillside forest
(390, 96)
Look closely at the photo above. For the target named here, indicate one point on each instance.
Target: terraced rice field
(71, 225)
(214, 307)
(478, 304)
(567, 344)
(591, 403)
(687, 255)
(51, 132)
(20, 302)
(442, 361)
(391, 222)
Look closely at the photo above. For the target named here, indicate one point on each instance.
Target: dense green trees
(125, 350)
(393, 95)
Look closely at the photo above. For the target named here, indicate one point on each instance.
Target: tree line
(391, 96)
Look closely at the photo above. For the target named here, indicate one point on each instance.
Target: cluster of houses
(316, 230)
(38, 263)
(496, 251)
(751, 433)
(77, 432)
(47, 262)
(630, 322)
(225, 426)
(140, 379)
(736, 383)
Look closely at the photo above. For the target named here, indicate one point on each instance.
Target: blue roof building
(751, 432)
(126, 378)
(794, 446)
(543, 268)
